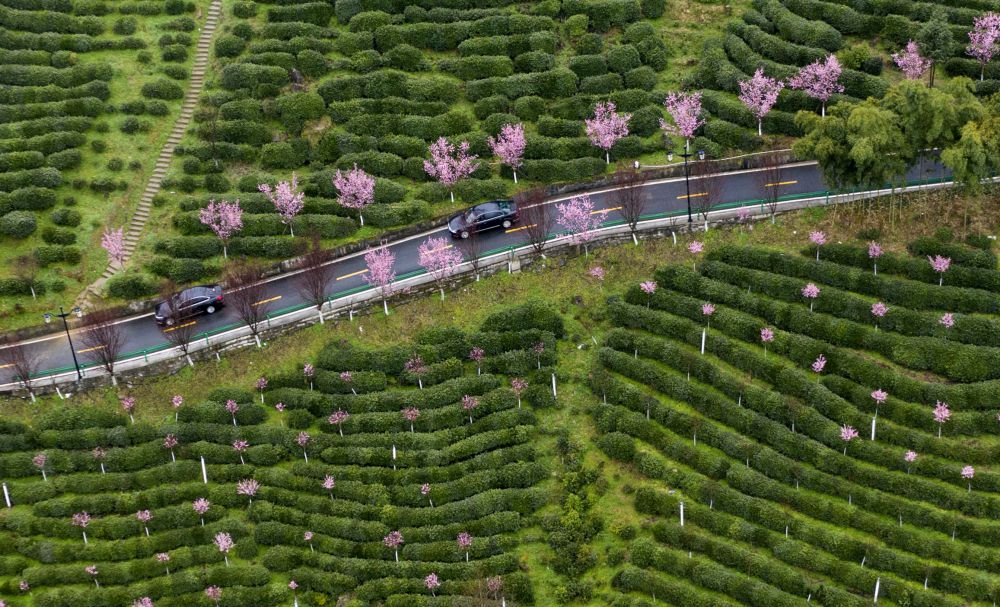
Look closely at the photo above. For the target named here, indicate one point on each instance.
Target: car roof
(200, 290)
(493, 205)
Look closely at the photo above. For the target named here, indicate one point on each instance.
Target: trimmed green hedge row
(905, 293)
(955, 361)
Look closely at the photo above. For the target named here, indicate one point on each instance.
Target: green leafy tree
(936, 42)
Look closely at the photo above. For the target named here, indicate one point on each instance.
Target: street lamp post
(687, 174)
(78, 312)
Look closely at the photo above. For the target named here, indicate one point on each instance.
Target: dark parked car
(482, 217)
(203, 299)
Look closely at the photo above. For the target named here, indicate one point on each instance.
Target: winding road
(663, 197)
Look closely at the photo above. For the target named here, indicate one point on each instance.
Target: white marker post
(204, 473)
(878, 584)
(394, 456)
(553, 385)
(6, 496)
(703, 341)
(682, 514)
(873, 428)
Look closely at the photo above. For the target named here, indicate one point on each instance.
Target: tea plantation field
(822, 448)
(308, 481)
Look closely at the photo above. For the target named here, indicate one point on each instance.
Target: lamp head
(47, 317)
(701, 154)
(78, 312)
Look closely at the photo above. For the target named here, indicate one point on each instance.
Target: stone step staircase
(141, 215)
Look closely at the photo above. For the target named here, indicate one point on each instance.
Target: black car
(203, 299)
(482, 217)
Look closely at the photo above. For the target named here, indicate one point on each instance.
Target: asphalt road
(665, 196)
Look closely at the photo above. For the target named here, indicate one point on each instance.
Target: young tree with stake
(224, 218)
(315, 276)
(537, 219)
(759, 94)
(580, 220)
(630, 197)
(606, 127)
(983, 40)
(103, 340)
(356, 189)
(381, 274)
(685, 109)
(247, 294)
(509, 146)
(449, 164)
(819, 80)
(286, 198)
(439, 259)
(910, 62)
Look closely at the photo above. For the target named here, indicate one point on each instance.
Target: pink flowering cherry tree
(303, 440)
(819, 364)
(394, 540)
(425, 490)
(381, 274)
(224, 218)
(128, 404)
(685, 109)
(329, 483)
(819, 80)
(766, 337)
(143, 602)
(224, 542)
(518, 385)
(818, 238)
(308, 538)
(578, 217)
(940, 265)
(509, 146)
(411, 414)
(450, 164)
(214, 594)
(415, 366)
(759, 94)
(232, 407)
(240, 446)
(176, 402)
(606, 127)
(941, 415)
(911, 62)
(649, 288)
(477, 354)
(286, 198)
(847, 434)
(810, 292)
(170, 443)
(39, 462)
(967, 473)
(248, 487)
(947, 320)
(695, 248)
(201, 506)
(261, 385)
(597, 273)
(469, 403)
(144, 516)
(347, 378)
(308, 372)
(874, 253)
(465, 543)
(879, 396)
(538, 349)
(909, 458)
(879, 310)
(439, 259)
(113, 241)
(164, 559)
(984, 38)
(432, 583)
(81, 520)
(92, 571)
(337, 418)
(356, 190)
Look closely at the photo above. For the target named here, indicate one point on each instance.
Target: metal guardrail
(349, 298)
